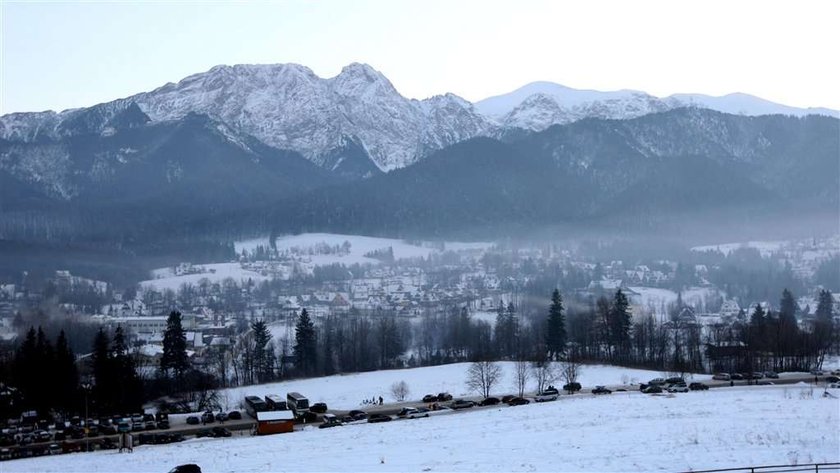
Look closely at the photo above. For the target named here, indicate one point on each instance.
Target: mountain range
(244, 149)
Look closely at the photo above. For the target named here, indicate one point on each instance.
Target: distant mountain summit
(538, 105)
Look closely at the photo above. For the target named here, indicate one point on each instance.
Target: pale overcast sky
(58, 55)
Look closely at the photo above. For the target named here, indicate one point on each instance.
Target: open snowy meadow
(720, 428)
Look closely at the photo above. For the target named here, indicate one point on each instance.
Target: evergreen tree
(174, 358)
(103, 379)
(67, 375)
(620, 319)
(305, 344)
(262, 364)
(129, 389)
(555, 334)
(25, 370)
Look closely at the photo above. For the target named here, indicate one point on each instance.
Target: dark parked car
(443, 397)
(675, 380)
(188, 468)
(221, 432)
(234, 415)
(506, 398)
(736, 376)
(832, 379)
(357, 414)
(163, 425)
(572, 387)
(308, 417)
(193, 420)
(208, 417)
(221, 417)
(204, 433)
(698, 387)
(601, 390)
(429, 398)
(319, 407)
(655, 389)
(518, 401)
(462, 404)
(490, 401)
(330, 421)
(374, 418)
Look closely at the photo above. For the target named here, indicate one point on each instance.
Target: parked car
(544, 397)
(374, 418)
(506, 398)
(833, 386)
(518, 401)
(757, 375)
(357, 414)
(656, 381)
(443, 397)
(462, 404)
(55, 449)
(836, 372)
(137, 427)
(572, 387)
(235, 415)
(221, 417)
(193, 420)
(219, 432)
(765, 383)
(655, 389)
(429, 398)
(817, 372)
(150, 425)
(204, 433)
(721, 377)
(208, 418)
(163, 425)
(832, 379)
(405, 411)
(319, 407)
(601, 390)
(330, 420)
(490, 401)
(418, 413)
(188, 468)
(678, 388)
(5, 454)
(771, 374)
(674, 380)
(736, 376)
(698, 387)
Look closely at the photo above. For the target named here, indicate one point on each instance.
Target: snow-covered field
(359, 246)
(348, 390)
(726, 427)
(655, 300)
(165, 278)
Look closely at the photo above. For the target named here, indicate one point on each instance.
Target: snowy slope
(346, 391)
(721, 428)
(538, 105)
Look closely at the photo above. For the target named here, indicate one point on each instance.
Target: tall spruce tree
(305, 348)
(620, 320)
(174, 359)
(25, 369)
(103, 374)
(263, 365)
(555, 333)
(129, 388)
(67, 375)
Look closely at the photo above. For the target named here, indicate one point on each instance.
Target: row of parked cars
(208, 417)
(671, 385)
(76, 429)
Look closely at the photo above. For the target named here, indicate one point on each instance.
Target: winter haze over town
(534, 236)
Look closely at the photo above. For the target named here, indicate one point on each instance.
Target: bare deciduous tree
(400, 391)
(522, 374)
(545, 373)
(569, 371)
(482, 376)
